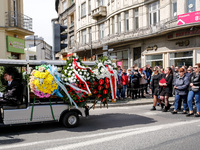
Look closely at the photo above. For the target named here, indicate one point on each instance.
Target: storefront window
(154, 60)
(119, 55)
(181, 58)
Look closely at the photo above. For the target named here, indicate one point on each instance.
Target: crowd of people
(183, 83)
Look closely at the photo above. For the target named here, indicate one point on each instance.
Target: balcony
(18, 23)
(99, 12)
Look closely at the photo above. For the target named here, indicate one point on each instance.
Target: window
(191, 6)
(72, 41)
(154, 60)
(136, 23)
(181, 58)
(101, 30)
(154, 13)
(64, 5)
(89, 6)
(101, 2)
(65, 22)
(90, 35)
(83, 10)
(113, 25)
(119, 23)
(84, 36)
(174, 8)
(126, 21)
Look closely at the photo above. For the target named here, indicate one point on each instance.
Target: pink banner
(188, 18)
(119, 63)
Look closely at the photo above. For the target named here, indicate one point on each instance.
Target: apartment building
(66, 16)
(37, 49)
(138, 31)
(14, 26)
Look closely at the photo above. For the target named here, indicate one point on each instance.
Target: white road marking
(116, 135)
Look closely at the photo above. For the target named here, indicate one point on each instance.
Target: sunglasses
(188, 70)
(154, 70)
(195, 67)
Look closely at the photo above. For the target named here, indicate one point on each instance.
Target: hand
(191, 84)
(175, 87)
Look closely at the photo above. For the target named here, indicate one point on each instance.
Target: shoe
(162, 105)
(174, 112)
(143, 97)
(197, 115)
(164, 110)
(153, 108)
(184, 112)
(188, 115)
(168, 107)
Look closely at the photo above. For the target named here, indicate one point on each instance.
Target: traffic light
(58, 37)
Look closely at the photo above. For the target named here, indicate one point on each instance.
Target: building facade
(14, 26)
(37, 48)
(138, 31)
(66, 16)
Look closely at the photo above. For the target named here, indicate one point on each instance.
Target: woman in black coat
(155, 87)
(166, 87)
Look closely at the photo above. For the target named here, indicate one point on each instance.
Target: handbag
(196, 89)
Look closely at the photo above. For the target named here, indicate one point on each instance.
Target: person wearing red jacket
(124, 82)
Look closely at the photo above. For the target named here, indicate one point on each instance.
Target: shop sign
(155, 47)
(188, 18)
(183, 43)
(15, 45)
(184, 33)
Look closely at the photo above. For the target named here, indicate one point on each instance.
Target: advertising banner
(188, 18)
(15, 45)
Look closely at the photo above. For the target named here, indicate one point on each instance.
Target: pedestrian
(124, 82)
(148, 76)
(156, 76)
(143, 82)
(194, 91)
(181, 84)
(119, 85)
(129, 74)
(135, 83)
(165, 86)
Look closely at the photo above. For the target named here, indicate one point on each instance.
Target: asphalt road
(123, 128)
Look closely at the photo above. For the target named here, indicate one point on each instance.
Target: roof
(39, 62)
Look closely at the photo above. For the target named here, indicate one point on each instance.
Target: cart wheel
(70, 119)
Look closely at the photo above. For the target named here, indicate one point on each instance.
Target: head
(176, 68)
(118, 67)
(124, 70)
(10, 73)
(196, 68)
(181, 72)
(136, 69)
(144, 68)
(172, 66)
(168, 70)
(8, 77)
(156, 70)
(189, 70)
(147, 66)
(140, 70)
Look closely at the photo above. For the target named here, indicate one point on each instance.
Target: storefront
(177, 48)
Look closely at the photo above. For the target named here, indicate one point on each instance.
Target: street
(132, 127)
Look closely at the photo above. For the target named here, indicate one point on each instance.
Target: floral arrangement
(42, 83)
(103, 85)
(81, 78)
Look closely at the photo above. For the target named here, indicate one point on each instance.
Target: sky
(41, 11)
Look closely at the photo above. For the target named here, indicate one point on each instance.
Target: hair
(198, 64)
(157, 69)
(181, 70)
(12, 71)
(171, 71)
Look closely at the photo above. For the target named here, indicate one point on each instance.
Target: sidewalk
(130, 102)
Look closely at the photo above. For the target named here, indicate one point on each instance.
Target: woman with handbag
(194, 91)
(135, 83)
(156, 76)
(181, 83)
(166, 86)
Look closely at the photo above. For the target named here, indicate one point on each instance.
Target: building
(37, 48)
(14, 26)
(138, 31)
(66, 16)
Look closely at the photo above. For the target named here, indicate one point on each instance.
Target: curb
(127, 103)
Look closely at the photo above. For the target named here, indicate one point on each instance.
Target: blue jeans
(118, 93)
(124, 90)
(192, 94)
(177, 98)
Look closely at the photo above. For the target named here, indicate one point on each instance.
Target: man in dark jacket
(11, 96)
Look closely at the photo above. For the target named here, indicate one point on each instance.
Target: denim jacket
(182, 84)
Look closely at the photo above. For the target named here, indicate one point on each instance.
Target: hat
(140, 69)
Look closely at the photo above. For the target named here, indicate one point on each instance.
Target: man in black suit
(11, 96)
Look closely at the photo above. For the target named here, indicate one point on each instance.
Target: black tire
(70, 119)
